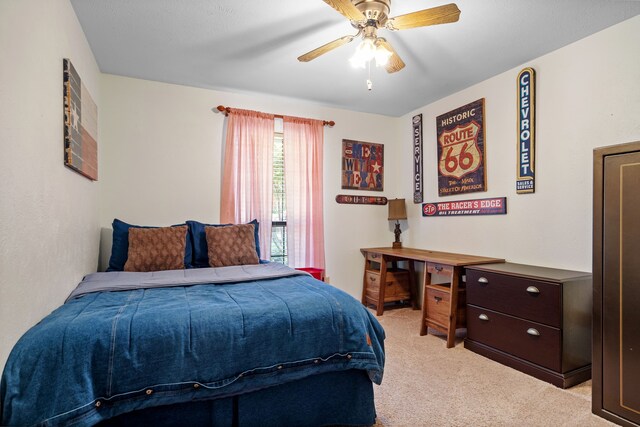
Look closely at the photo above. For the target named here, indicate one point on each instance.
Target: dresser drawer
(529, 299)
(438, 298)
(515, 336)
(396, 285)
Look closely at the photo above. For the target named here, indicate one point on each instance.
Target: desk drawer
(515, 336)
(374, 256)
(437, 268)
(438, 301)
(529, 299)
(396, 285)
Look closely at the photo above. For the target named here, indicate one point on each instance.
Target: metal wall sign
(525, 182)
(461, 150)
(360, 200)
(417, 158)
(490, 206)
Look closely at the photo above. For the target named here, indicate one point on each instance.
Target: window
(279, 210)
(248, 177)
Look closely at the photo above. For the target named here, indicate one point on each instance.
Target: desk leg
(453, 307)
(413, 290)
(364, 283)
(382, 286)
(426, 281)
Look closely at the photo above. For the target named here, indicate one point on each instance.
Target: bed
(259, 344)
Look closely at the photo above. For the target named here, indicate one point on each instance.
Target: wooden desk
(441, 311)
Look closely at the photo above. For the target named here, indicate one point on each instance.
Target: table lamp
(397, 211)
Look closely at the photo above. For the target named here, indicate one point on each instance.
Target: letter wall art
(362, 165)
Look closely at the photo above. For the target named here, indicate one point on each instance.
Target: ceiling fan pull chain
(369, 82)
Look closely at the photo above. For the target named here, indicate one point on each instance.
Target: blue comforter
(105, 353)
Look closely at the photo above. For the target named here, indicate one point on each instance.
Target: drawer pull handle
(373, 279)
(483, 317)
(438, 299)
(534, 332)
(533, 290)
(483, 280)
(375, 256)
(438, 268)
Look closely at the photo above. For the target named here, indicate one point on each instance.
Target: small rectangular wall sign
(525, 182)
(490, 206)
(360, 200)
(417, 158)
(461, 150)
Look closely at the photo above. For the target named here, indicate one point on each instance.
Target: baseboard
(566, 380)
(614, 418)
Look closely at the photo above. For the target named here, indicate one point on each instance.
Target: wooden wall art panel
(80, 125)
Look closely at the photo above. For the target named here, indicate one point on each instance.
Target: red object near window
(317, 273)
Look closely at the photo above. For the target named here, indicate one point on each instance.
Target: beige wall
(588, 95)
(162, 148)
(49, 224)
(160, 160)
(153, 177)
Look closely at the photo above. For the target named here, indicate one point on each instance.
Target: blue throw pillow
(199, 240)
(120, 245)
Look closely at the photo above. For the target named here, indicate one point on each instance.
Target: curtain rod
(227, 110)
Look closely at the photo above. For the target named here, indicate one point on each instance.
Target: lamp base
(397, 244)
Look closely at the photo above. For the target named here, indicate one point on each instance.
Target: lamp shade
(397, 209)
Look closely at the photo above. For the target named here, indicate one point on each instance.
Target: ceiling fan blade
(394, 63)
(325, 48)
(436, 15)
(347, 9)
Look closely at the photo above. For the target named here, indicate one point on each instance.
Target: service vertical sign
(417, 158)
(525, 182)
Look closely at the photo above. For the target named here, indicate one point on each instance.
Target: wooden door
(620, 315)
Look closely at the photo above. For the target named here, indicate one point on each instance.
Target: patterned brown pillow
(231, 245)
(155, 249)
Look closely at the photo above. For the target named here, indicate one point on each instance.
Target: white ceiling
(252, 45)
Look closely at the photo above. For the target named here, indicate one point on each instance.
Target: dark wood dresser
(616, 283)
(534, 319)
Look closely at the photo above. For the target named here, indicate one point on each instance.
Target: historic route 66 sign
(461, 159)
(460, 152)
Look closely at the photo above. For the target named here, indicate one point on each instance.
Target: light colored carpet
(426, 384)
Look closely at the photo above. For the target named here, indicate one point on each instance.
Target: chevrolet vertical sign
(417, 158)
(525, 182)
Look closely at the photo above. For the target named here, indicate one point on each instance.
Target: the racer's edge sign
(491, 206)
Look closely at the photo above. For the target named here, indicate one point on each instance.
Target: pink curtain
(303, 149)
(247, 173)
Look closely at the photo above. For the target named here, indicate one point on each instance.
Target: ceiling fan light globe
(366, 50)
(382, 56)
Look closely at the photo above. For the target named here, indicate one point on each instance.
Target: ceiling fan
(368, 16)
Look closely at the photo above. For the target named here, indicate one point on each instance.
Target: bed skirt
(335, 398)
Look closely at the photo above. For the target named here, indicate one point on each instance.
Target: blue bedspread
(107, 353)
